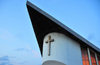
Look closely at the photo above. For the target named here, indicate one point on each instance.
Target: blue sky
(18, 45)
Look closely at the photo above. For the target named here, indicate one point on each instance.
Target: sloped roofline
(86, 42)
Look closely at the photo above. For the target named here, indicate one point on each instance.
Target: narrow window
(99, 60)
(85, 58)
(93, 59)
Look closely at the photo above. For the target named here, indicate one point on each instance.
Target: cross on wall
(49, 44)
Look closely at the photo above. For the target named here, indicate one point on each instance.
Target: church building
(59, 45)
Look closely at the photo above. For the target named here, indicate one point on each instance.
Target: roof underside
(44, 24)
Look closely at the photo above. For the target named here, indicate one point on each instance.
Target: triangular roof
(43, 24)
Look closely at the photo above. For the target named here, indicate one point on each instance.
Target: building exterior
(59, 45)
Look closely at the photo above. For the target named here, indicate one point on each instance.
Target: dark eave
(44, 24)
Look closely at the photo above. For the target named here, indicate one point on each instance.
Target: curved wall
(52, 63)
(63, 49)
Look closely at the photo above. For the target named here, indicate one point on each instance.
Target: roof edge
(63, 26)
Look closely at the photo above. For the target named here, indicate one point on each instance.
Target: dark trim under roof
(43, 24)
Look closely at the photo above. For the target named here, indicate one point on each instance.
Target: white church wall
(63, 50)
(73, 53)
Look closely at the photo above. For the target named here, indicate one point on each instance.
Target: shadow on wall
(52, 62)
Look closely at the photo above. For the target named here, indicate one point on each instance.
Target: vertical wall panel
(85, 58)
